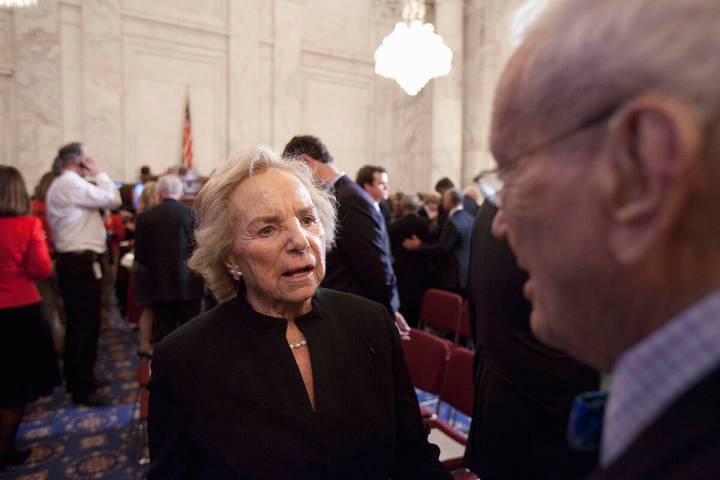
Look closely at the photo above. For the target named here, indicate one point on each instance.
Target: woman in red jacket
(27, 361)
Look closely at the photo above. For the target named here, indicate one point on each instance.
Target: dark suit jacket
(361, 262)
(452, 251)
(523, 389)
(470, 206)
(228, 401)
(683, 443)
(164, 240)
(411, 267)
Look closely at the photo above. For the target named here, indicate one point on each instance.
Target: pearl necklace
(300, 344)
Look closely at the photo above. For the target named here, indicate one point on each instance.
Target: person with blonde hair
(148, 198)
(282, 379)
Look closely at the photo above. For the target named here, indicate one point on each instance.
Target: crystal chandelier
(413, 53)
(17, 3)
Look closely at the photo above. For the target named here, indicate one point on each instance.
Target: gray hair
(583, 57)
(218, 221)
(410, 203)
(169, 186)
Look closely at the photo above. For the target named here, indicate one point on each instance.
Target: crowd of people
(275, 308)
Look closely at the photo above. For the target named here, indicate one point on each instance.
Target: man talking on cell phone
(73, 209)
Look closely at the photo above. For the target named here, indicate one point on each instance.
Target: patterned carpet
(71, 442)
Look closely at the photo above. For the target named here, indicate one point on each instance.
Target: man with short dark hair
(79, 235)
(164, 240)
(605, 130)
(361, 262)
(374, 180)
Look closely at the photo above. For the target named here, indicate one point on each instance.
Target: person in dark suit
(470, 198)
(523, 389)
(452, 249)
(411, 266)
(608, 195)
(297, 381)
(164, 240)
(361, 261)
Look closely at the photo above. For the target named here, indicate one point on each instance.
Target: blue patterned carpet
(71, 442)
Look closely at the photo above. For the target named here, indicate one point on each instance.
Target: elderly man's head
(605, 129)
(170, 186)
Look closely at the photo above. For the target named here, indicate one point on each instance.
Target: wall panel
(159, 78)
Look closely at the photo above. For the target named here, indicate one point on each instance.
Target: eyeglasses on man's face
(491, 183)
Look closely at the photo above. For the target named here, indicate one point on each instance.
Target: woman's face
(279, 242)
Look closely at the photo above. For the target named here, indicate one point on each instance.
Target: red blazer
(23, 258)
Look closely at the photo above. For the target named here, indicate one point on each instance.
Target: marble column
(7, 90)
(103, 85)
(287, 91)
(447, 102)
(38, 104)
(488, 45)
(244, 129)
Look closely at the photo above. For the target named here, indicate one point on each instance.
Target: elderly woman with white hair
(283, 379)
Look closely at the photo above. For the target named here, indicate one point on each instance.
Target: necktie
(585, 427)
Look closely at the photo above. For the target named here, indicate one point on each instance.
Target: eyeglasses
(489, 181)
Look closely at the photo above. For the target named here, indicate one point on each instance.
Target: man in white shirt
(79, 235)
(606, 130)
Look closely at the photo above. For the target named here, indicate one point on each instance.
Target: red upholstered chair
(457, 391)
(463, 329)
(426, 356)
(440, 310)
(143, 378)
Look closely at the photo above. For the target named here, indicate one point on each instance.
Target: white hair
(584, 56)
(169, 186)
(218, 219)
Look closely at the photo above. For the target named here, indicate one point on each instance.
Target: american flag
(187, 150)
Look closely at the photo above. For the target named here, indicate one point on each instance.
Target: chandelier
(413, 53)
(17, 3)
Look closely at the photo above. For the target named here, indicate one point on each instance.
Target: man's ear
(654, 148)
(309, 160)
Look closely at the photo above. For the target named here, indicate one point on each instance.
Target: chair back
(463, 329)
(457, 388)
(426, 357)
(440, 310)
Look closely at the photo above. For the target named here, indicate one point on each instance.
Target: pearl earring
(235, 272)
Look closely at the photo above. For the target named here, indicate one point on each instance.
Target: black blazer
(470, 205)
(683, 443)
(228, 401)
(411, 267)
(452, 251)
(523, 389)
(361, 262)
(164, 240)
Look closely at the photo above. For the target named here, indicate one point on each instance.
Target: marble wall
(116, 74)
